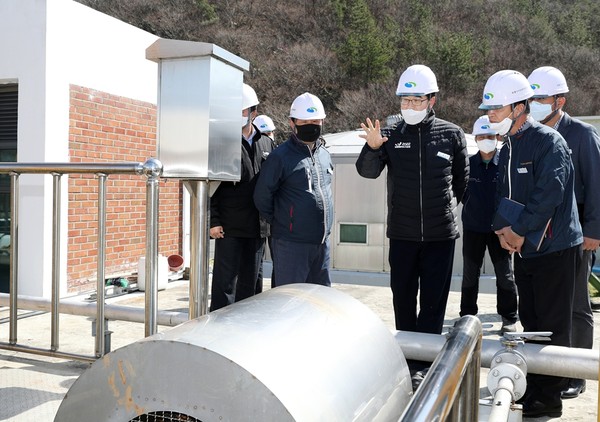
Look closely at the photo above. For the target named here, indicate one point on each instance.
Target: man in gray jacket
(549, 89)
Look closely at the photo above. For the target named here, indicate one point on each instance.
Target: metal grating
(164, 416)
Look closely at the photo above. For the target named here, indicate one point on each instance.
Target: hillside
(351, 52)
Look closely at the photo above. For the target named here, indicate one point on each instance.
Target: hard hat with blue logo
(503, 88)
(547, 81)
(417, 80)
(264, 123)
(307, 107)
(482, 127)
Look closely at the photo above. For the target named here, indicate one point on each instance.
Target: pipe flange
(514, 373)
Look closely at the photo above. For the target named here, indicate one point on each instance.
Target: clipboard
(508, 213)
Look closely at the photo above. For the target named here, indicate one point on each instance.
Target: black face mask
(308, 133)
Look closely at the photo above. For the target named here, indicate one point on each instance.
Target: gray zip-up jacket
(293, 192)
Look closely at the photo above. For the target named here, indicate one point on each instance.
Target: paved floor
(32, 386)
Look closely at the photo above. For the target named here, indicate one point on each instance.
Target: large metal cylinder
(299, 352)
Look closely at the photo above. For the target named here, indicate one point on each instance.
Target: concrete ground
(32, 386)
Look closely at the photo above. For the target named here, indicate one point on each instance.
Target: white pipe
(502, 401)
(559, 361)
(114, 312)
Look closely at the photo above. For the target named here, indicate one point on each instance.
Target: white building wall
(46, 45)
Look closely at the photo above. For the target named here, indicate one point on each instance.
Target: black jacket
(428, 169)
(232, 205)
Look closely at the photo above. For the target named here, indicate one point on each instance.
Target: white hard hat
(482, 127)
(547, 81)
(503, 88)
(417, 80)
(307, 107)
(249, 97)
(264, 123)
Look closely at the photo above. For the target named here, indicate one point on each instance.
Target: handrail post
(436, 397)
(14, 257)
(100, 292)
(56, 227)
(152, 168)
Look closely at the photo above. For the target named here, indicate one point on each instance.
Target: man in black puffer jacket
(427, 173)
(234, 221)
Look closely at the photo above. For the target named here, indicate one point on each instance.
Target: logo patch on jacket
(402, 145)
(443, 155)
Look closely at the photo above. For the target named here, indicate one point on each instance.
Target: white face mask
(502, 127)
(540, 111)
(486, 145)
(413, 117)
(244, 120)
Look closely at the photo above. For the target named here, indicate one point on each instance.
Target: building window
(353, 233)
(9, 94)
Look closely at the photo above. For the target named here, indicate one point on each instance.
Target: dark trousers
(546, 286)
(582, 334)
(424, 268)
(296, 262)
(474, 246)
(236, 267)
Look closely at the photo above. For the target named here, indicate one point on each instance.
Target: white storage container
(163, 273)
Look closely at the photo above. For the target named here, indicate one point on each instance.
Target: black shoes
(533, 408)
(576, 387)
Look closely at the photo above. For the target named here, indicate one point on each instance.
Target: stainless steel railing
(152, 169)
(450, 391)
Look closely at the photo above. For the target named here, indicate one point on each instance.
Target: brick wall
(109, 128)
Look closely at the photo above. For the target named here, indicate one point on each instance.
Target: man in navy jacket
(535, 169)
(550, 87)
(477, 214)
(293, 194)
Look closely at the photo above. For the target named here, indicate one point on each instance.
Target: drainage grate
(164, 416)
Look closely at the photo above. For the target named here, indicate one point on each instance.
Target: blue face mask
(540, 111)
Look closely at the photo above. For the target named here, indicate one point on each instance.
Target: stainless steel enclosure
(294, 353)
(199, 109)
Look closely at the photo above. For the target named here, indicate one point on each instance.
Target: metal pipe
(152, 170)
(436, 395)
(55, 294)
(45, 352)
(71, 168)
(559, 361)
(14, 257)
(111, 312)
(502, 401)
(100, 292)
(199, 238)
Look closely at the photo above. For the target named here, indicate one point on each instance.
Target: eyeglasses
(415, 102)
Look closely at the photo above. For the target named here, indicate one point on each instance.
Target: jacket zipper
(320, 189)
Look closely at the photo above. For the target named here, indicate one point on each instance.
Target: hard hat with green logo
(417, 80)
(547, 81)
(503, 88)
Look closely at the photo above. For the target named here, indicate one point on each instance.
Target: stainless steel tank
(300, 352)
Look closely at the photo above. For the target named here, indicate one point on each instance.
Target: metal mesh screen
(164, 416)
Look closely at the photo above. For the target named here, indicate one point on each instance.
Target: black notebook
(508, 213)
